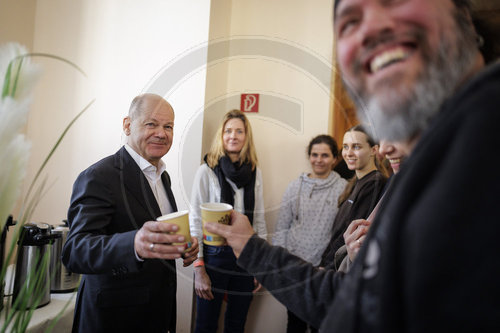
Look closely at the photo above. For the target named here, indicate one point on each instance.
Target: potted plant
(17, 77)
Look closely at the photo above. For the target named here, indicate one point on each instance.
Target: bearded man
(430, 260)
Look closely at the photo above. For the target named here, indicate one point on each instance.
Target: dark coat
(111, 200)
(360, 203)
(430, 260)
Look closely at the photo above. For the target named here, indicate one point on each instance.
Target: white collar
(143, 164)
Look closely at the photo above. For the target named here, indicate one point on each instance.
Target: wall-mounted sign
(249, 103)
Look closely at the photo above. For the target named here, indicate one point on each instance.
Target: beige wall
(281, 49)
(17, 21)
(308, 30)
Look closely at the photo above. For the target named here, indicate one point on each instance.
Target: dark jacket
(360, 203)
(111, 200)
(430, 261)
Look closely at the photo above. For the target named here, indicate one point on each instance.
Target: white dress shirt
(153, 175)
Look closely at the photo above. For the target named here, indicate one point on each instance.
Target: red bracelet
(199, 263)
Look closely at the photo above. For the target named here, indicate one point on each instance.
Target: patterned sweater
(306, 216)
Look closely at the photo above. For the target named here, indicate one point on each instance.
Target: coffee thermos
(10, 222)
(33, 259)
(61, 279)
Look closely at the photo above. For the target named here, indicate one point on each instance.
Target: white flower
(14, 148)
(18, 77)
(27, 76)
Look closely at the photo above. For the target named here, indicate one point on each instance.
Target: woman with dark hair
(308, 209)
(354, 236)
(229, 175)
(362, 192)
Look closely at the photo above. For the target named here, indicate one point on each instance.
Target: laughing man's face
(386, 49)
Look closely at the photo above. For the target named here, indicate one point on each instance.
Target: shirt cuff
(137, 256)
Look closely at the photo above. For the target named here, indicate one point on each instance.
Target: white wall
(281, 49)
(125, 47)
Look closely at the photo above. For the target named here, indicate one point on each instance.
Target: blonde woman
(229, 175)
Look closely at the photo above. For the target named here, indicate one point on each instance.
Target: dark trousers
(227, 278)
(297, 325)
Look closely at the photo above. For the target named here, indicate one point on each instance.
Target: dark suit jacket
(111, 200)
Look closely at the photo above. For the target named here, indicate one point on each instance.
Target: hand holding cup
(181, 220)
(215, 212)
(237, 233)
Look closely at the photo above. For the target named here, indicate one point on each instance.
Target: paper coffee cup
(215, 212)
(180, 219)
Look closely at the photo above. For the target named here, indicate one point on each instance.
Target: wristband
(199, 263)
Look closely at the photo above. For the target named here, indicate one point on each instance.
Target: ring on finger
(152, 247)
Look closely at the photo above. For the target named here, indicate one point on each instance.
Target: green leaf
(16, 78)
(6, 82)
(9, 90)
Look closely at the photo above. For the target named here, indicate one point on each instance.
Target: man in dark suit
(126, 258)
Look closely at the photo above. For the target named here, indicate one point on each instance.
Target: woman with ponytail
(229, 175)
(363, 190)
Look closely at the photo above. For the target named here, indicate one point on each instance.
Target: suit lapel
(135, 183)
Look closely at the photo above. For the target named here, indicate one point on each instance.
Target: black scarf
(241, 175)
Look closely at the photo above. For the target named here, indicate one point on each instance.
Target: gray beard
(405, 112)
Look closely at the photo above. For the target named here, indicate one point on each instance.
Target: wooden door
(343, 109)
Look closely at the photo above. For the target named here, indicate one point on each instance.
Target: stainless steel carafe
(10, 222)
(33, 259)
(61, 279)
